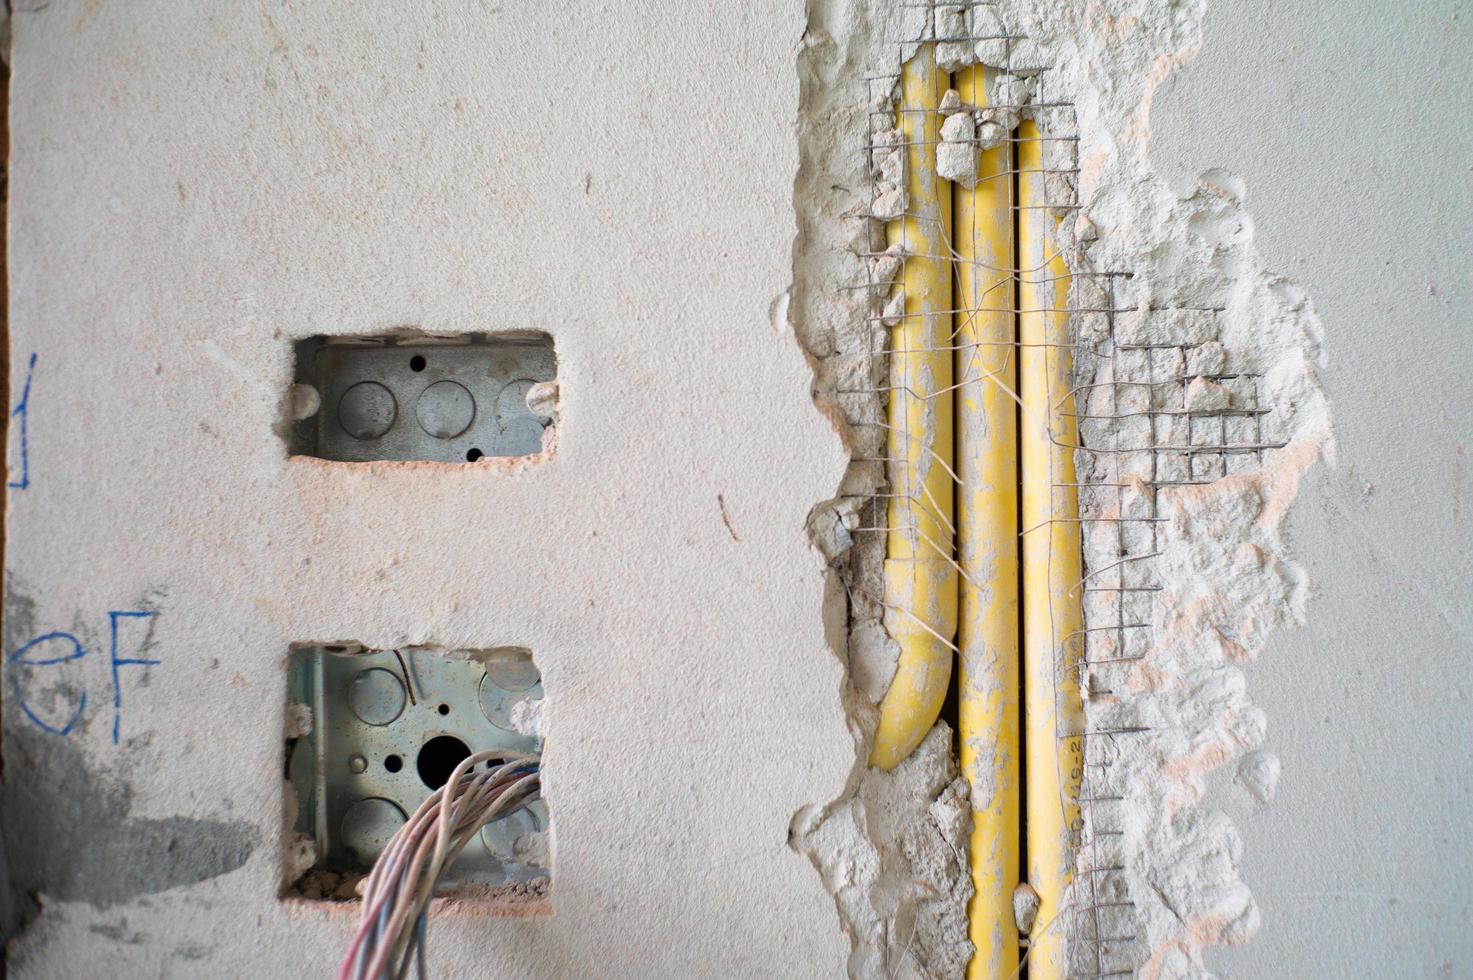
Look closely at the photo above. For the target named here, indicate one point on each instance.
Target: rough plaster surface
(1359, 865)
(892, 847)
(198, 185)
(1225, 577)
(1213, 769)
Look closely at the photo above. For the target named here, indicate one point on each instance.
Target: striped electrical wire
(396, 895)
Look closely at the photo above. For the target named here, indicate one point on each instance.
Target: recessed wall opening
(370, 734)
(1023, 420)
(980, 506)
(410, 397)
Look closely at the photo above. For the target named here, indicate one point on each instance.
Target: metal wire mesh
(1154, 410)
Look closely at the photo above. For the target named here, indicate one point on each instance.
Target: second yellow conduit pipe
(987, 544)
(1053, 610)
(920, 574)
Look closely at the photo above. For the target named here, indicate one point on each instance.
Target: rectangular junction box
(443, 399)
(371, 733)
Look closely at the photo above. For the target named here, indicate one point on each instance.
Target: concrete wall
(195, 186)
(1345, 120)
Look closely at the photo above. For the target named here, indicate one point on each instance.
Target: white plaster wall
(1347, 122)
(194, 185)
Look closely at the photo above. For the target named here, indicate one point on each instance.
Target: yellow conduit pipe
(1052, 605)
(987, 544)
(920, 576)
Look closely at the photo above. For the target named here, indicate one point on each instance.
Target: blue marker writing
(113, 617)
(75, 653)
(22, 411)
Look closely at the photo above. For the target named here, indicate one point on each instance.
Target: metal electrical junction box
(372, 733)
(422, 398)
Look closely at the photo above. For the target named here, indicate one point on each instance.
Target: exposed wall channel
(1200, 412)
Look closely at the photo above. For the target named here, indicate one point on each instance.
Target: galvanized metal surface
(445, 402)
(387, 728)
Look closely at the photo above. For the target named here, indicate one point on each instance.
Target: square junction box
(370, 733)
(422, 398)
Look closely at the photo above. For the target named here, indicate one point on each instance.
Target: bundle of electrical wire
(397, 893)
